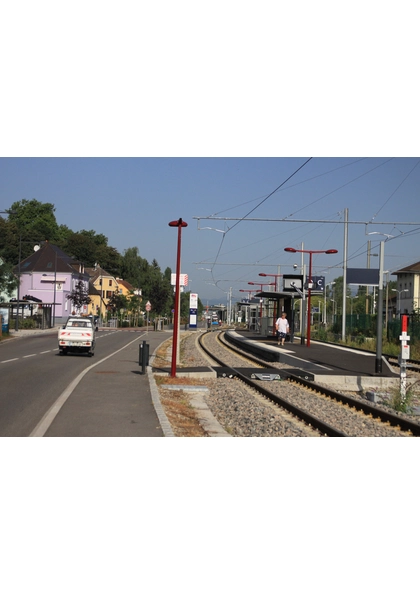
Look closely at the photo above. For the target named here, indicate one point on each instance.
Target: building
(50, 275)
(125, 288)
(103, 286)
(408, 288)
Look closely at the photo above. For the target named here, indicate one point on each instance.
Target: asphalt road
(110, 397)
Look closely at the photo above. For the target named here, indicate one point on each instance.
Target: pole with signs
(148, 308)
(193, 310)
(405, 354)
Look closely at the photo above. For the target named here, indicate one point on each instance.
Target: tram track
(306, 400)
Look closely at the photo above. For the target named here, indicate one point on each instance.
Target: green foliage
(28, 223)
(117, 302)
(399, 402)
(8, 281)
(31, 221)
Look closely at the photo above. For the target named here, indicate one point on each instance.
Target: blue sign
(193, 318)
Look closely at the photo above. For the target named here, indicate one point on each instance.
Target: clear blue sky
(221, 87)
(132, 200)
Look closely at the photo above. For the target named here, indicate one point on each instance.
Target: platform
(328, 363)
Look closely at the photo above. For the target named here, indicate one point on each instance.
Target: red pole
(308, 332)
(179, 223)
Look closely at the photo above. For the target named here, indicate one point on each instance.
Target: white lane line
(26, 356)
(8, 360)
(43, 352)
(46, 421)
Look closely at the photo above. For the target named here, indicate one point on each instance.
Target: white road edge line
(46, 421)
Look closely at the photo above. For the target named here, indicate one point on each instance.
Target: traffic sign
(148, 306)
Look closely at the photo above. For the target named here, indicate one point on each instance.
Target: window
(109, 294)
(110, 283)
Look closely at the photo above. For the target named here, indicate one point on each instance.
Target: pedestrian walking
(282, 326)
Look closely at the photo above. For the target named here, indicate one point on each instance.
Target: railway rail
(331, 412)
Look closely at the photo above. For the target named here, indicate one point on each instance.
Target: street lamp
(179, 223)
(310, 252)
(399, 297)
(250, 296)
(276, 276)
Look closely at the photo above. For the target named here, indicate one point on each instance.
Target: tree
(134, 269)
(92, 248)
(8, 281)
(79, 296)
(32, 221)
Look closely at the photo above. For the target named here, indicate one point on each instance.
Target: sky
(301, 201)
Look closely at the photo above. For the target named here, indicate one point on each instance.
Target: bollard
(143, 356)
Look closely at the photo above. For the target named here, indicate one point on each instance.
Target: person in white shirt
(282, 326)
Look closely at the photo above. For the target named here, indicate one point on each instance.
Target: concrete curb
(163, 419)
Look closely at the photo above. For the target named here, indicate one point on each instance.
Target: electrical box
(405, 351)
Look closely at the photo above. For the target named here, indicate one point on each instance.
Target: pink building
(51, 275)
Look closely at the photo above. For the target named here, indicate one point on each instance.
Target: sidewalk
(32, 332)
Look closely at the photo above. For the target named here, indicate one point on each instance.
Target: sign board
(4, 313)
(362, 276)
(183, 279)
(193, 310)
(193, 300)
(292, 280)
(148, 306)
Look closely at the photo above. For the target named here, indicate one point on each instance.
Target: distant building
(104, 286)
(408, 288)
(125, 288)
(50, 275)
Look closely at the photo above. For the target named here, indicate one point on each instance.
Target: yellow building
(104, 286)
(124, 287)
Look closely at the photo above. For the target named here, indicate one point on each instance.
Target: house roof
(97, 272)
(125, 284)
(411, 268)
(49, 259)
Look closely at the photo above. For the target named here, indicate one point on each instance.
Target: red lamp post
(246, 291)
(276, 276)
(310, 252)
(179, 223)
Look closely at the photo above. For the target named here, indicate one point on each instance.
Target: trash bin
(143, 356)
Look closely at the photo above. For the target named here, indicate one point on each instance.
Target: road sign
(148, 306)
(183, 280)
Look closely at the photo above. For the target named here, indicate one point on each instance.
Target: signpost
(148, 308)
(405, 354)
(193, 310)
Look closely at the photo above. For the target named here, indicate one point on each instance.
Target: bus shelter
(272, 304)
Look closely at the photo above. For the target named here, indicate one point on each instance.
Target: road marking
(46, 421)
(26, 356)
(8, 360)
(43, 352)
